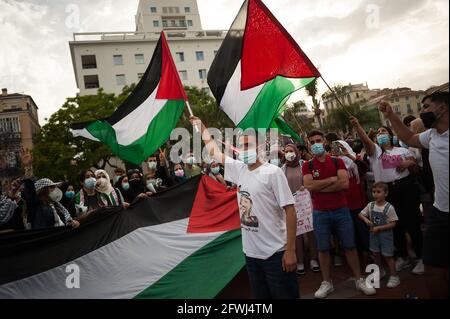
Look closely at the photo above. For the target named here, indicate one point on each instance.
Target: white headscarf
(352, 168)
(106, 187)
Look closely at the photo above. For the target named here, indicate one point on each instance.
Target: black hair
(437, 97)
(331, 137)
(82, 174)
(407, 120)
(315, 133)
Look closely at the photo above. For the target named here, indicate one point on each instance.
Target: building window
(190, 23)
(88, 62)
(153, 9)
(140, 75)
(182, 23)
(396, 99)
(9, 125)
(118, 59)
(139, 58)
(409, 108)
(173, 23)
(200, 56)
(91, 82)
(187, 10)
(120, 79)
(165, 24)
(357, 95)
(183, 75)
(202, 74)
(419, 107)
(156, 24)
(180, 56)
(407, 98)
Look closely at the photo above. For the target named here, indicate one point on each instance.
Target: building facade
(111, 60)
(18, 124)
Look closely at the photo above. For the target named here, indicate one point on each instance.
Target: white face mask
(152, 165)
(56, 195)
(290, 156)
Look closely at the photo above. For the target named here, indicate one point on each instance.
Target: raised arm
(367, 142)
(403, 132)
(211, 145)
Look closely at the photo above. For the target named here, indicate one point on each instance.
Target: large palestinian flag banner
(257, 68)
(182, 243)
(143, 122)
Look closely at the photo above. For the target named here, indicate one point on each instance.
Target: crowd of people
(377, 197)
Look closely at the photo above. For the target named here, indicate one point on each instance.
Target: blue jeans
(338, 222)
(269, 281)
(383, 242)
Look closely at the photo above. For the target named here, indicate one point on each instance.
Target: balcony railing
(136, 36)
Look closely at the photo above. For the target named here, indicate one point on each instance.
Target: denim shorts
(338, 222)
(382, 242)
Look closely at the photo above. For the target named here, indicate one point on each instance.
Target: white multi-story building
(111, 60)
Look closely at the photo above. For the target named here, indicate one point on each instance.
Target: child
(380, 216)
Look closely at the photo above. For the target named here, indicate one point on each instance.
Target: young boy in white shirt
(380, 216)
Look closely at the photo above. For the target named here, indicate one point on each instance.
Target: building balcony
(91, 37)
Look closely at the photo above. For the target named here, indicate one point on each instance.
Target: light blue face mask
(383, 139)
(249, 157)
(215, 170)
(126, 186)
(318, 149)
(89, 183)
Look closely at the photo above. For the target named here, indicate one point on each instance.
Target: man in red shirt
(327, 179)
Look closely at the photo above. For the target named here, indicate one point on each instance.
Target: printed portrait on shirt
(245, 208)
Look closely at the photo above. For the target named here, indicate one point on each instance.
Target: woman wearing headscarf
(42, 199)
(392, 165)
(293, 171)
(110, 196)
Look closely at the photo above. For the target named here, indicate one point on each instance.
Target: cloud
(405, 45)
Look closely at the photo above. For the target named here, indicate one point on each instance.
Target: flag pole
(336, 97)
(191, 114)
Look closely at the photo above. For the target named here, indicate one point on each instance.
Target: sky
(386, 43)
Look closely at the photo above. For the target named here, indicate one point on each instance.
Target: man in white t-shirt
(268, 218)
(436, 249)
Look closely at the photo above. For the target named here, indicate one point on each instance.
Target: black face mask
(428, 119)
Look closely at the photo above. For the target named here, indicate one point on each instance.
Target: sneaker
(419, 269)
(394, 281)
(300, 269)
(338, 261)
(325, 289)
(314, 265)
(361, 286)
(401, 264)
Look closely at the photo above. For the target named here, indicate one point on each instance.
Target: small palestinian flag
(145, 119)
(257, 68)
(183, 243)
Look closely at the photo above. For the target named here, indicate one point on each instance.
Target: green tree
(204, 106)
(312, 91)
(57, 154)
(338, 118)
(299, 123)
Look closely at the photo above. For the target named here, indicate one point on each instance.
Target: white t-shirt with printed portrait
(262, 194)
(384, 164)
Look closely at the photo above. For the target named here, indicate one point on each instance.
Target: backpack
(311, 165)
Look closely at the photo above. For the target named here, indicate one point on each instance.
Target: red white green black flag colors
(257, 68)
(145, 119)
(184, 243)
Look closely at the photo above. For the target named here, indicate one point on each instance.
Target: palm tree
(311, 88)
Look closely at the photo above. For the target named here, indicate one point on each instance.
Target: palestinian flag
(145, 119)
(257, 68)
(182, 243)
